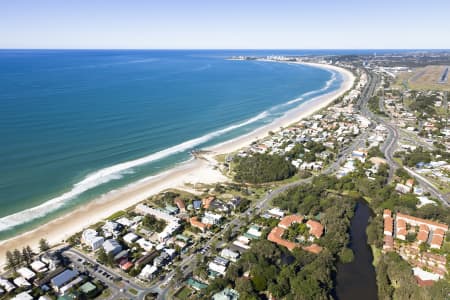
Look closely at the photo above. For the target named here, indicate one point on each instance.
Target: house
(130, 238)
(206, 202)
(144, 244)
(229, 254)
(7, 285)
(221, 269)
(21, 282)
(60, 280)
(26, 273)
(23, 296)
(148, 272)
(112, 246)
(211, 218)
(38, 266)
(51, 259)
(91, 238)
(276, 212)
(197, 224)
(401, 188)
(111, 229)
(146, 259)
(180, 204)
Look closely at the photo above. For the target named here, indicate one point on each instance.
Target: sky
(227, 24)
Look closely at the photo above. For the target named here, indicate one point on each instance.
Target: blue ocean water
(76, 124)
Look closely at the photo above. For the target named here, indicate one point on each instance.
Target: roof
(180, 203)
(196, 223)
(88, 287)
(207, 201)
(388, 224)
(423, 233)
(314, 248)
(315, 227)
(387, 213)
(64, 277)
(289, 220)
(419, 220)
(275, 236)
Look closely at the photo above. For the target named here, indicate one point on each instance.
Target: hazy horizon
(176, 24)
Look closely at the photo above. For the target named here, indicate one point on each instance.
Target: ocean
(75, 124)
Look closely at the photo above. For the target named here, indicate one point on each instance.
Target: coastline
(193, 171)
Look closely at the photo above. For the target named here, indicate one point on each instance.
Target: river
(357, 280)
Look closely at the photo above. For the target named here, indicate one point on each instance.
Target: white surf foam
(114, 172)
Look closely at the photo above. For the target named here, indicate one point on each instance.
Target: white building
(173, 223)
(23, 296)
(217, 268)
(130, 238)
(229, 254)
(211, 218)
(7, 285)
(148, 272)
(38, 266)
(91, 238)
(21, 282)
(144, 244)
(26, 273)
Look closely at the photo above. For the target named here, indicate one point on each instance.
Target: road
(187, 265)
(390, 144)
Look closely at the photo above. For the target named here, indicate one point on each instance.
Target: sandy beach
(194, 171)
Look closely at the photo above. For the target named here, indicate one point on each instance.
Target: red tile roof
(427, 222)
(206, 202)
(289, 220)
(314, 248)
(389, 224)
(180, 204)
(276, 236)
(196, 223)
(315, 227)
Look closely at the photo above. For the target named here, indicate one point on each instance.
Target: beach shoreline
(193, 171)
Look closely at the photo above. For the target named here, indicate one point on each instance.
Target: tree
(43, 245)
(101, 256)
(27, 254)
(10, 261)
(178, 276)
(17, 257)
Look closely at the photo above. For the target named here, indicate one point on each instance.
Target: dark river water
(357, 280)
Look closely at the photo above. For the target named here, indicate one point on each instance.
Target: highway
(186, 265)
(390, 144)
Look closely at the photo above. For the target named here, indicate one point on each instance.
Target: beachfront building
(173, 223)
(91, 238)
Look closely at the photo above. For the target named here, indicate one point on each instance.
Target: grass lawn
(376, 255)
(423, 79)
(184, 293)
